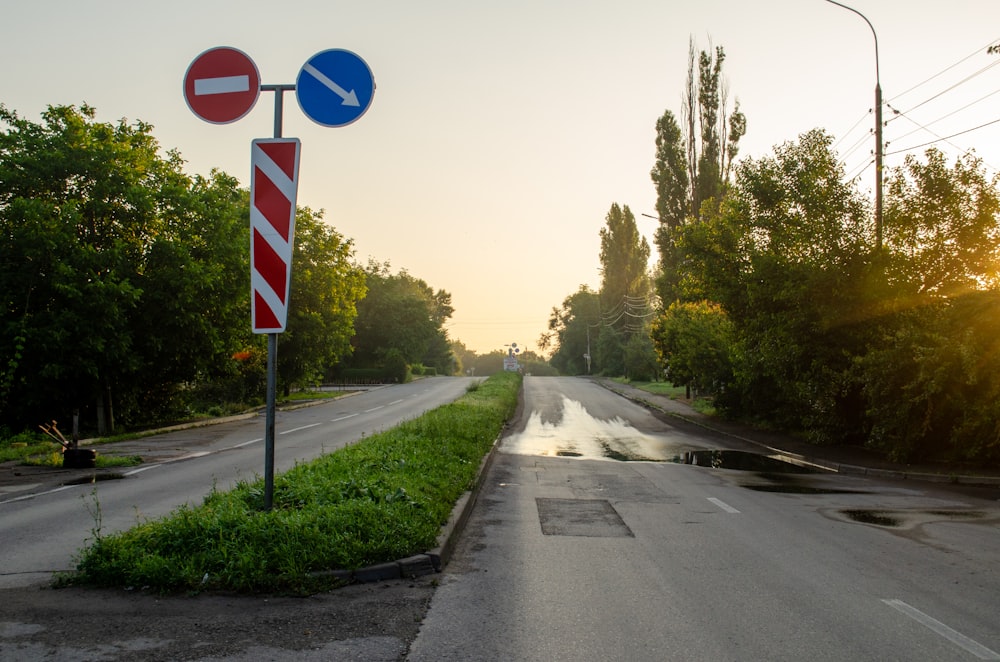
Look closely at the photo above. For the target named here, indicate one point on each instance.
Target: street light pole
(878, 132)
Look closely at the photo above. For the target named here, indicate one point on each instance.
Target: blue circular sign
(335, 87)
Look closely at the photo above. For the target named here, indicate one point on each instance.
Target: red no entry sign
(221, 85)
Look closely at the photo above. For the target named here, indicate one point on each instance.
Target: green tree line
(893, 347)
(774, 297)
(608, 331)
(784, 307)
(125, 284)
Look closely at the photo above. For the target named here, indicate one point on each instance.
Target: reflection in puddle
(910, 518)
(578, 434)
(93, 478)
(795, 488)
(876, 517)
(742, 461)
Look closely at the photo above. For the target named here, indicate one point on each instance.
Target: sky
(500, 134)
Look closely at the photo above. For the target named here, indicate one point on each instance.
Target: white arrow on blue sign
(335, 87)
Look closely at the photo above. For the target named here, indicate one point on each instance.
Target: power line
(856, 125)
(945, 70)
(861, 169)
(861, 141)
(949, 89)
(943, 117)
(975, 128)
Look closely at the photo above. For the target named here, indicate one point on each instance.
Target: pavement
(839, 459)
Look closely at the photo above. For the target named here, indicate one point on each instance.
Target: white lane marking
(247, 443)
(722, 504)
(141, 469)
(304, 427)
(189, 456)
(957, 638)
(221, 85)
(395, 402)
(343, 418)
(375, 408)
(37, 494)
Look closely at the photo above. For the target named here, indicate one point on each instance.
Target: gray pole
(272, 343)
(272, 361)
(878, 131)
(878, 160)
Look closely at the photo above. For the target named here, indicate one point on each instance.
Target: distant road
(570, 555)
(43, 525)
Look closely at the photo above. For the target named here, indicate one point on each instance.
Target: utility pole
(878, 132)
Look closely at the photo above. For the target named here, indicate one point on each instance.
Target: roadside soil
(374, 622)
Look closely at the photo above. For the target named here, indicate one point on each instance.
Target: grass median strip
(381, 499)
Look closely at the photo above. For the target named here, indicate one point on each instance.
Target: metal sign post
(334, 88)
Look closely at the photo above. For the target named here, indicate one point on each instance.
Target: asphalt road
(589, 541)
(43, 522)
(571, 555)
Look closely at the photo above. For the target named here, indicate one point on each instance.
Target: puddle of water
(877, 517)
(578, 434)
(957, 514)
(792, 488)
(85, 480)
(742, 461)
(624, 456)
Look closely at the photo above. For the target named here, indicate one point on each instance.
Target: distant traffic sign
(335, 87)
(221, 85)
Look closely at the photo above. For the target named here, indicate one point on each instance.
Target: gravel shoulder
(374, 622)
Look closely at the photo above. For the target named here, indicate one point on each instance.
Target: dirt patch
(362, 621)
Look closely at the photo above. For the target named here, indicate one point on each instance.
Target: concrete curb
(434, 560)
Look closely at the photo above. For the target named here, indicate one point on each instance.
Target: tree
(931, 379)
(941, 227)
(108, 249)
(572, 333)
(788, 258)
(325, 289)
(465, 358)
(624, 263)
(640, 359)
(692, 166)
(403, 313)
(192, 314)
(695, 344)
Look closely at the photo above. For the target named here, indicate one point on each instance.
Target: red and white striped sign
(274, 166)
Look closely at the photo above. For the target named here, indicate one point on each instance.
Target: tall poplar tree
(692, 165)
(624, 274)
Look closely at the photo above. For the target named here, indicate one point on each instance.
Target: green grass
(23, 447)
(661, 388)
(381, 499)
(54, 458)
(701, 404)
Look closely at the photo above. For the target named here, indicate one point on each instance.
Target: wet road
(573, 554)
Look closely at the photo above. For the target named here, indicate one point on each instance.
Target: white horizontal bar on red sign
(221, 85)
